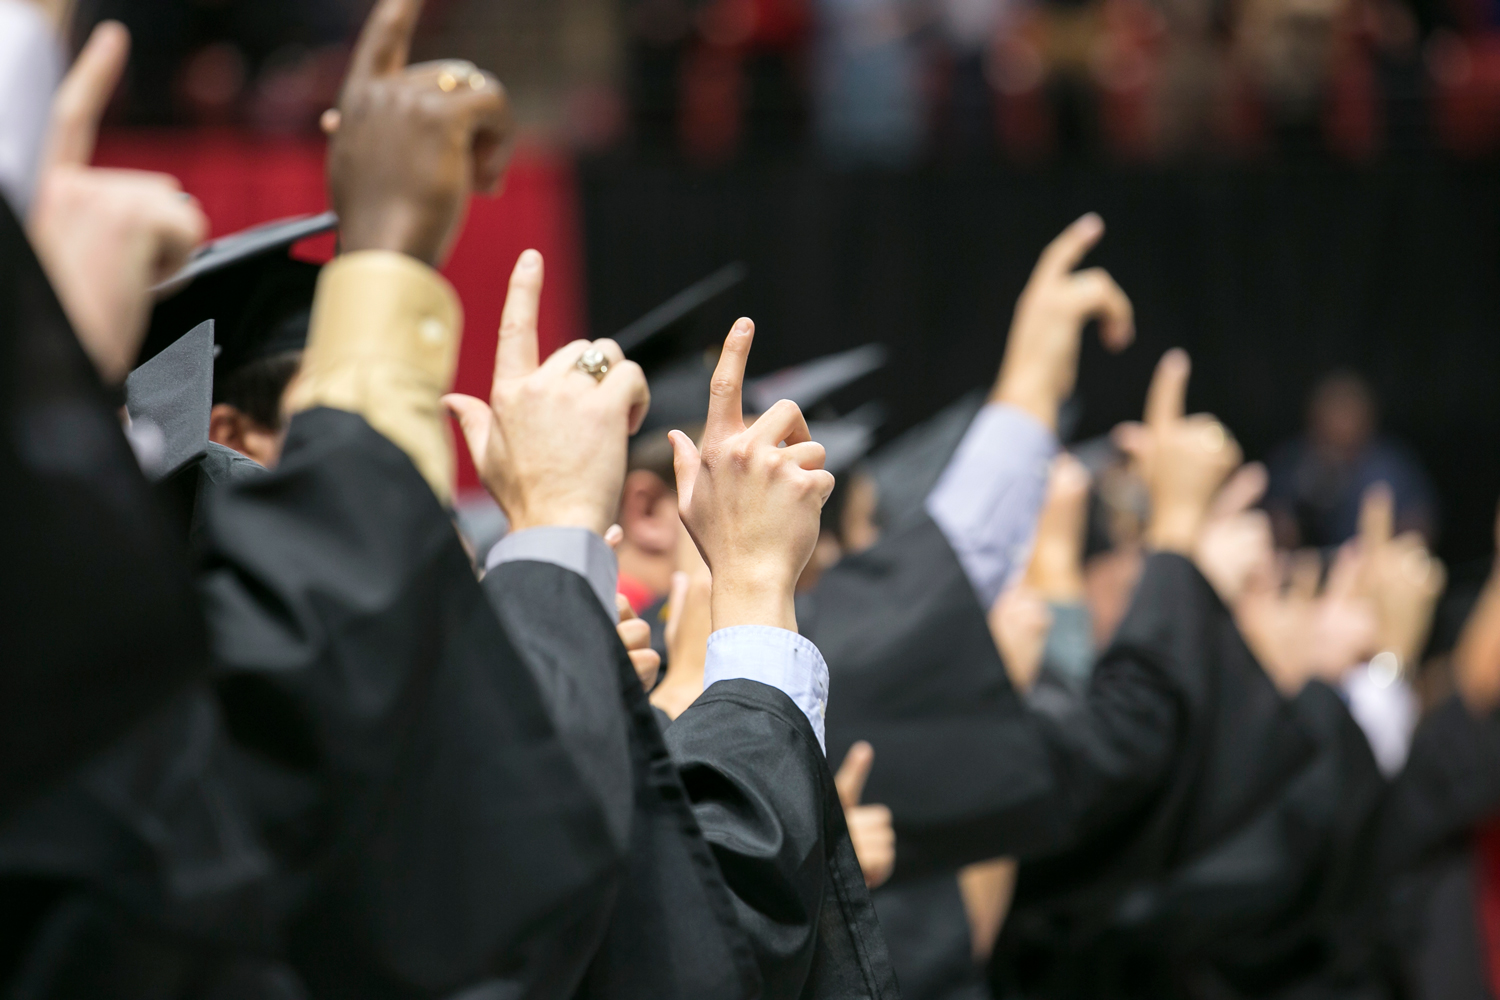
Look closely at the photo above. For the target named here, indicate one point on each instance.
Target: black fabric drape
(100, 625)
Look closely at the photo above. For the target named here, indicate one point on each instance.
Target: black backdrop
(1270, 277)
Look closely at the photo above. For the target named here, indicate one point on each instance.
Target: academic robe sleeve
(764, 797)
(456, 843)
(1451, 782)
(101, 627)
(970, 773)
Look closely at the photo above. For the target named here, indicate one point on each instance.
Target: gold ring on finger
(593, 362)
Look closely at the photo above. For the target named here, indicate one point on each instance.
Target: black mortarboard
(907, 469)
(259, 297)
(679, 391)
(847, 440)
(169, 399)
(679, 307)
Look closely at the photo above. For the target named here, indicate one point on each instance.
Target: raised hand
(1183, 460)
(1236, 546)
(410, 144)
(870, 827)
(1400, 577)
(1477, 656)
(1019, 623)
(751, 506)
(635, 636)
(1041, 354)
(689, 624)
(1055, 572)
(105, 237)
(550, 445)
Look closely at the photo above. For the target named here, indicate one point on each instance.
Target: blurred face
(648, 513)
(1342, 419)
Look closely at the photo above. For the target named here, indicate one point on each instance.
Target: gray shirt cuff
(990, 496)
(775, 656)
(577, 549)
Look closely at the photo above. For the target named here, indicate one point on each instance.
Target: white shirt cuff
(577, 549)
(990, 496)
(775, 656)
(1387, 710)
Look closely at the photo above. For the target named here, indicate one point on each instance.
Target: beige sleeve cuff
(383, 343)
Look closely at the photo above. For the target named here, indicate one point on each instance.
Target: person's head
(247, 413)
(1341, 415)
(648, 503)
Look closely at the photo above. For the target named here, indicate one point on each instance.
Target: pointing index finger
(726, 414)
(84, 94)
(1071, 246)
(385, 40)
(1166, 400)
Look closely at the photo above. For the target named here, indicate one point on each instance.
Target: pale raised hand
(1041, 353)
(105, 237)
(1183, 460)
(550, 445)
(870, 827)
(751, 506)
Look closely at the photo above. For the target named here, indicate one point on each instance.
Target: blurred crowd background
(1294, 189)
(888, 83)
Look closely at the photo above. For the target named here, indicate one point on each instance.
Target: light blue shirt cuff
(577, 549)
(776, 656)
(989, 498)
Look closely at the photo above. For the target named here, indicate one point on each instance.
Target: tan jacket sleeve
(383, 342)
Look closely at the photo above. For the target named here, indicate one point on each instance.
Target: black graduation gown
(369, 802)
(741, 879)
(1181, 744)
(1450, 784)
(100, 626)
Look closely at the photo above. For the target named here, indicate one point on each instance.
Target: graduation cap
(169, 399)
(259, 296)
(847, 440)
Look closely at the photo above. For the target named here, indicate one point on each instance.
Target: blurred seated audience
(1318, 480)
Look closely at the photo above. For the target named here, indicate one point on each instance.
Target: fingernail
(1091, 221)
(530, 260)
(742, 325)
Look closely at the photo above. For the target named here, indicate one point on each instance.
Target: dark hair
(255, 388)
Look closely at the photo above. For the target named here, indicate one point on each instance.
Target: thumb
(853, 773)
(685, 463)
(1243, 491)
(475, 419)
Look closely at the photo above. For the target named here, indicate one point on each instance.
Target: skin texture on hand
(1400, 577)
(1055, 572)
(870, 827)
(550, 445)
(1477, 656)
(1183, 460)
(751, 506)
(1305, 631)
(410, 144)
(1041, 353)
(105, 237)
(635, 635)
(1019, 623)
(1236, 544)
(689, 624)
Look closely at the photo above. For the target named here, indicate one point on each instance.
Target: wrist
(1027, 395)
(559, 516)
(1175, 529)
(752, 599)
